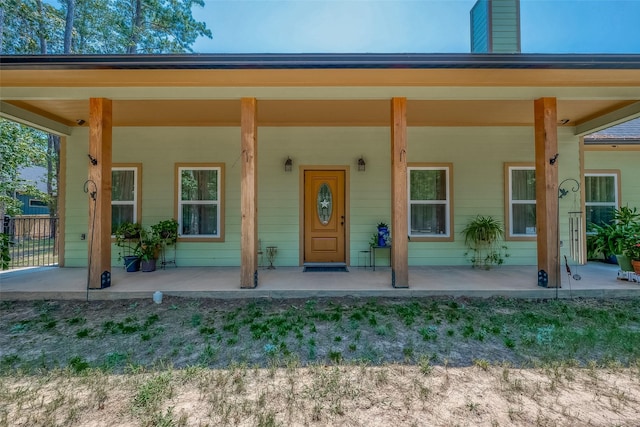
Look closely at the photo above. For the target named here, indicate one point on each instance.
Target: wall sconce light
(361, 165)
(288, 164)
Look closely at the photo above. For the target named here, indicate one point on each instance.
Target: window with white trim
(601, 197)
(124, 195)
(429, 201)
(521, 201)
(199, 201)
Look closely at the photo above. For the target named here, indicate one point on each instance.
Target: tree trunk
(136, 28)
(68, 27)
(53, 166)
(1, 32)
(41, 28)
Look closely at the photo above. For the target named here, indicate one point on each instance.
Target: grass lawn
(320, 362)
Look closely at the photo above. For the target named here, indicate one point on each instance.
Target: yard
(320, 362)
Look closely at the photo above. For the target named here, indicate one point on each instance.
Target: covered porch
(598, 280)
(465, 119)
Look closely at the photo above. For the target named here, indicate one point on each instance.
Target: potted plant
(383, 234)
(167, 230)
(632, 250)
(373, 241)
(482, 236)
(149, 249)
(613, 239)
(127, 236)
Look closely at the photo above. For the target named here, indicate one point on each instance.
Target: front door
(324, 216)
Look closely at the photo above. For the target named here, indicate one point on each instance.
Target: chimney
(495, 26)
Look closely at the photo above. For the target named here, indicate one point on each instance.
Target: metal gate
(33, 240)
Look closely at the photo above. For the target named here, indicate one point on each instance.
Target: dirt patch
(328, 395)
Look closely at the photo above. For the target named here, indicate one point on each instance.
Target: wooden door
(324, 216)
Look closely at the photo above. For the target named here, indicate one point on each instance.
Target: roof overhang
(323, 89)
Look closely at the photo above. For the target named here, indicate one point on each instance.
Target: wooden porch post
(249, 194)
(399, 227)
(546, 149)
(99, 189)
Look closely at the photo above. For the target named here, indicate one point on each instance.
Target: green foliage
(5, 258)
(127, 237)
(150, 245)
(20, 146)
(27, 26)
(101, 27)
(373, 241)
(145, 242)
(127, 231)
(167, 230)
(78, 364)
(482, 235)
(618, 237)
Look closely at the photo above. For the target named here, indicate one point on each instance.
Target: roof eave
(329, 61)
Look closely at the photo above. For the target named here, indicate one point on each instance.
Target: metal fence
(33, 240)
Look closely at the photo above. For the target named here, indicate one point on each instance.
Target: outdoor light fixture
(288, 164)
(361, 165)
(80, 122)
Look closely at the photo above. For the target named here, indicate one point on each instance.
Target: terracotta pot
(636, 265)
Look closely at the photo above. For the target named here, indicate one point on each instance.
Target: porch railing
(33, 240)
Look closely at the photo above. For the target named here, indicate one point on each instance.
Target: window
(430, 201)
(601, 196)
(200, 201)
(125, 197)
(521, 197)
(35, 203)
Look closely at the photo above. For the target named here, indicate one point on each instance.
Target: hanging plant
(482, 236)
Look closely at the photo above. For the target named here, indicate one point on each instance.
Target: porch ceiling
(375, 112)
(321, 89)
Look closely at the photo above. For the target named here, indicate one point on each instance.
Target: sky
(410, 26)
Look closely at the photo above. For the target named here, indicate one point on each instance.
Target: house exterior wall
(478, 155)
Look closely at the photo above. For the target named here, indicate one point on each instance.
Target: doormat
(323, 267)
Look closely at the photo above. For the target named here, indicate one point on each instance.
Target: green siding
(505, 26)
(278, 203)
(477, 154)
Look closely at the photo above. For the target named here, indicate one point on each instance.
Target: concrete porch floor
(597, 281)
